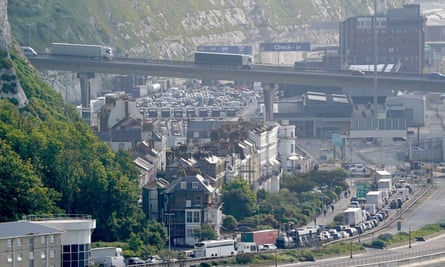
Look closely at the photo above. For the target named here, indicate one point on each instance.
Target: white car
(357, 168)
(268, 247)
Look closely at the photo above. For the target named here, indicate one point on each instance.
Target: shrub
(378, 243)
(244, 258)
(13, 100)
(385, 237)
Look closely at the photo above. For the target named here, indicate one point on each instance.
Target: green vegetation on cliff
(52, 163)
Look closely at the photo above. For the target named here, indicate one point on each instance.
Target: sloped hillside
(173, 28)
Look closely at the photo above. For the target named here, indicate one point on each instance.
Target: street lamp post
(258, 217)
(409, 237)
(168, 216)
(350, 246)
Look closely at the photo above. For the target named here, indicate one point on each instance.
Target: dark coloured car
(437, 76)
(135, 261)
(358, 72)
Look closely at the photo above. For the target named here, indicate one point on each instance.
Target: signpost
(361, 191)
(277, 47)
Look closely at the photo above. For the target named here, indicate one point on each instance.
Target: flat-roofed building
(25, 243)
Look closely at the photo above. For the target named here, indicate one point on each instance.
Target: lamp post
(350, 246)
(374, 26)
(258, 216)
(168, 217)
(409, 237)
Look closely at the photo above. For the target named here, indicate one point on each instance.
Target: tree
(205, 232)
(230, 223)
(239, 200)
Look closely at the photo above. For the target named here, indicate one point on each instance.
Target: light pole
(409, 237)
(168, 217)
(258, 216)
(350, 245)
(375, 59)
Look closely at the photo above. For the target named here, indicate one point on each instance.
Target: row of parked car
(346, 231)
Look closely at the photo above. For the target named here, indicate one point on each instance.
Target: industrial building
(400, 37)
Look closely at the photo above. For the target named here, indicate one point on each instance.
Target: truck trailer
(260, 237)
(95, 52)
(353, 216)
(385, 184)
(376, 198)
(208, 59)
(108, 257)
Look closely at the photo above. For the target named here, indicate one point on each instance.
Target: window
(9, 243)
(198, 200)
(196, 217)
(52, 253)
(121, 146)
(43, 239)
(194, 185)
(52, 239)
(9, 258)
(19, 256)
(19, 242)
(183, 185)
(43, 254)
(189, 216)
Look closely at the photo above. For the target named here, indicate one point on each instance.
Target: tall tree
(239, 200)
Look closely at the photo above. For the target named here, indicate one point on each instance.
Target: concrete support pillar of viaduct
(85, 93)
(269, 99)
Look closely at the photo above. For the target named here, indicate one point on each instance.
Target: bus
(215, 248)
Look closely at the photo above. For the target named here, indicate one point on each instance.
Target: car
(437, 76)
(393, 204)
(351, 231)
(29, 51)
(153, 259)
(357, 168)
(268, 247)
(358, 72)
(134, 261)
(324, 235)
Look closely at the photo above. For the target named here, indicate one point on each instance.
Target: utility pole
(409, 238)
(168, 217)
(375, 59)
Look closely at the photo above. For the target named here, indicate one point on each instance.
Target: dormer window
(183, 185)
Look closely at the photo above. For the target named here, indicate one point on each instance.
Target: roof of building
(25, 228)
(203, 182)
(143, 164)
(204, 125)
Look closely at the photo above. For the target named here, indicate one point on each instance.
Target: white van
(29, 51)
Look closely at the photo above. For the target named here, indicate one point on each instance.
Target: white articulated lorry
(96, 52)
(108, 257)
